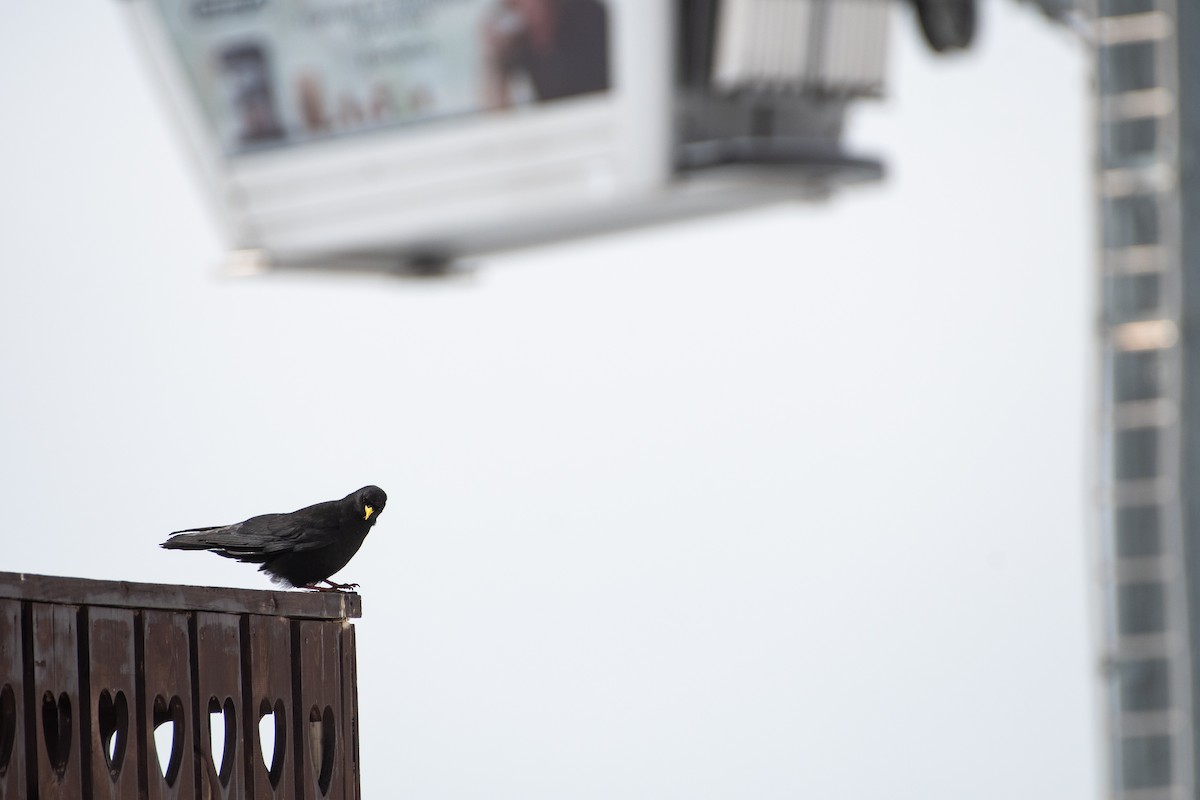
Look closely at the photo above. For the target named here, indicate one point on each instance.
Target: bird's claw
(331, 587)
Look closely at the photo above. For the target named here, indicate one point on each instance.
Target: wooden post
(56, 703)
(13, 777)
(167, 680)
(270, 698)
(112, 699)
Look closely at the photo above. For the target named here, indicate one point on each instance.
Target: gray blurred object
(947, 24)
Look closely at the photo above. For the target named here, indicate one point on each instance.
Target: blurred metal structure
(766, 83)
(122, 690)
(1148, 79)
(362, 133)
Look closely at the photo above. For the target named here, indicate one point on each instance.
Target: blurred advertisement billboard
(274, 72)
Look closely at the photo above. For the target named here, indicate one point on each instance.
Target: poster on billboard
(281, 72)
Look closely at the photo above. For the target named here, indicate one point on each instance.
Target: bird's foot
(340, 587)
(312, 587)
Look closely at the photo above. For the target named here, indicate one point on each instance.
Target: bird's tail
(194, 539)
(224, 540)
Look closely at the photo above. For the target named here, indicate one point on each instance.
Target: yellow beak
(369, 511)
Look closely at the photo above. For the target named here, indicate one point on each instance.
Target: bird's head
(368, 503)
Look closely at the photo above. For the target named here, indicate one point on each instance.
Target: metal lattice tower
(1150, 530)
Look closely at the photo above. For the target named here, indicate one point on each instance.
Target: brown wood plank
(13, 736)
(123, 594)
(350, 711)
(271, 689)
(58, 708)
(112, 701)
(167, 682)
(321, 713)
(219, 681)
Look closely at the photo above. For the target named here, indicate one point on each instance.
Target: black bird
(299, 549)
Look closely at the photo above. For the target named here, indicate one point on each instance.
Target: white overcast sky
(788, 504)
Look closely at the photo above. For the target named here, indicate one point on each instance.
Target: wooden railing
(127, 690)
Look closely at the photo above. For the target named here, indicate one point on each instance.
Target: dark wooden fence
(133, 690)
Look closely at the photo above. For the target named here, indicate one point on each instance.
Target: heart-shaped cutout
(8, 726)
(112, 714)
(322, 743)
(272, 738)
(56, 729)
(168, 736)
(222, 736)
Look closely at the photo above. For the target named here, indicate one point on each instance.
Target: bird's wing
(260, 538)
(292, 533)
